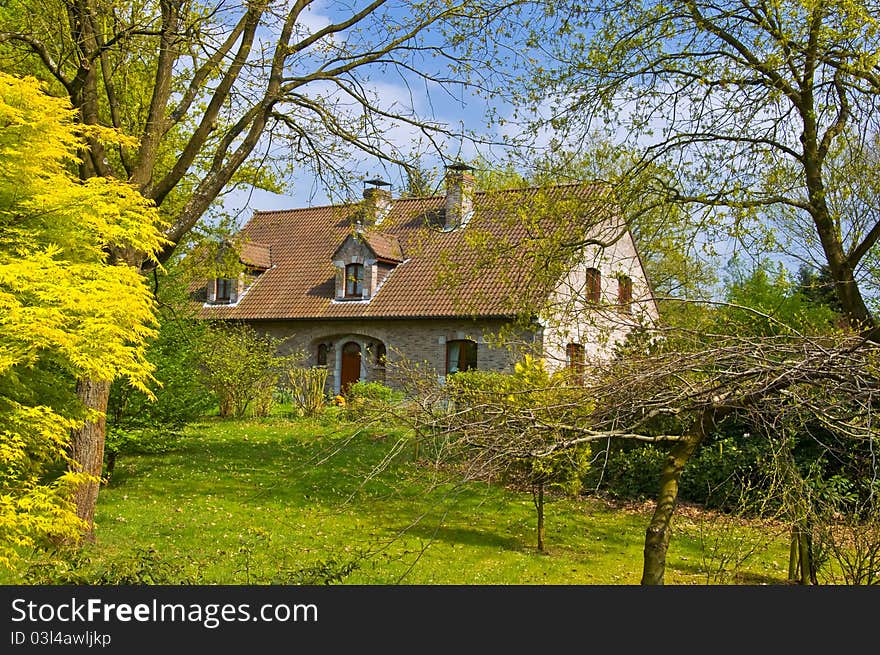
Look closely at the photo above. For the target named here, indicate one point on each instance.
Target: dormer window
(354, 281)
(363, 261)
(223, 294)
(255, 259)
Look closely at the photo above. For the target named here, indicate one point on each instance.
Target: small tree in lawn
(512, 427)
(306, 385)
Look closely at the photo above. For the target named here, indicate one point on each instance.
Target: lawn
(291, 501)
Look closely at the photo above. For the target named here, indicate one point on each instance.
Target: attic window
(354, 280)
(594, 285)
(624, 294)
(224, 291)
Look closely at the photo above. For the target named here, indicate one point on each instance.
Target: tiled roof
(256, 255)
(301, 282)
(386, 246)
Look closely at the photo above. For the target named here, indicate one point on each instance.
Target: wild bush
(306, 389)
(138, 423)
(369, 397)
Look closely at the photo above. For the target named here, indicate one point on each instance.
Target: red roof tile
(385, 246)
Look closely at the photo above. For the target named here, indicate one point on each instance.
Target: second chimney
(459, 195)
(377, 202)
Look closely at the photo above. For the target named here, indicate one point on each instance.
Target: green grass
(258, 501)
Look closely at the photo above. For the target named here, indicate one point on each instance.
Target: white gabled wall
(570, 318)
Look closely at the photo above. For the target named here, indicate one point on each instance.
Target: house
(468, 279)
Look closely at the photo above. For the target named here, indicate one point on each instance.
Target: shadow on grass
(733, 578)
(464, 536)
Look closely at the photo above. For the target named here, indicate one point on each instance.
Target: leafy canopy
(66, 310)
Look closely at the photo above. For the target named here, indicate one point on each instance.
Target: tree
(511, 427)
(66, 311)
(141, 422)
(221, 94)
(677, 265)
(760, 109)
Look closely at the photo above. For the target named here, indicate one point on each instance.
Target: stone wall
(416, 341)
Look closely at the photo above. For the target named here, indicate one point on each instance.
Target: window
(354, 280)
(461, 355)
(224, 290)
(594, 285)
(322, 354)
(624, 294)
(381, 355)
(575, 361)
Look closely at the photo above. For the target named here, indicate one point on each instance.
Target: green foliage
(727, 474)
(143, 566)
(306, 389)
(365, 397)
(363, 390)
(138, 422)
(526, 404)
(242, 367)
(631, 472)
(259, 559)
(66, 312)
(768, 302)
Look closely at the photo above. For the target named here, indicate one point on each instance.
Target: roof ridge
(354, 203)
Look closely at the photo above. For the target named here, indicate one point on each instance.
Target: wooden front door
(351, 366)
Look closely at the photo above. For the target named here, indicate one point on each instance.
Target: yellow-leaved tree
(67, 310)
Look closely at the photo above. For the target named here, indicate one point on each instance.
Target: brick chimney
(377, 201)
(459, 195)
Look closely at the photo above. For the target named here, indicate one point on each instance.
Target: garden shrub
(143, 566)
(306, 389)
(365, 396)
(631, 472)
(137, 423)
(721, 475)
(242, 367)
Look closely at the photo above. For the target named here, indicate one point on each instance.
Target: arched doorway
(351, 366)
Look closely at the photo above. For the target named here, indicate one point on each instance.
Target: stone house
(449, 282)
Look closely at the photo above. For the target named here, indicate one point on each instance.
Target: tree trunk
(804, 550)
(658, 532)
(794, 555)
(841, 268)
(87, 450)
(538, 497)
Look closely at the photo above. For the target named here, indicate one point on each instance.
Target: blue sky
(454, 107)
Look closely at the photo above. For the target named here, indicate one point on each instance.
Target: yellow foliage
(66, 311)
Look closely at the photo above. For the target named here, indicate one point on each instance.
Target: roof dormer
(253, 259)
(362, 262)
